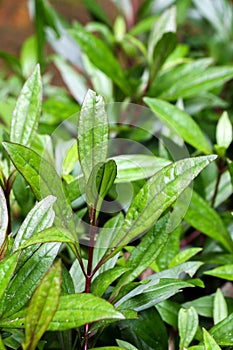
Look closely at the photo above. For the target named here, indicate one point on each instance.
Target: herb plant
(116, 223)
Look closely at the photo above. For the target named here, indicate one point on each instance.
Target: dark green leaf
(96, 10)
(43, 179)
(92, 133)
(27, 110)
(100, 182)
(100, 55)
(180, 122)
(104, 280)
(159, 192)
(42, 307)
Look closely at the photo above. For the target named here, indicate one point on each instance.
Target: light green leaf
(27, 110)
(24, 283)
(3, 217)
(210, 224)
(78, 309)
(100, 182)
(137, 166)
(28, 56)
(209, 342)
(51, 234)
(224, 131)
(7, 267)
(225, 272)
(104, 280)
(43, 180)
(92, 133)
(75, 82)
(2, 346)
(220, 307)
(187, 325)
(70, 159)
(159, 192)
(100, 55)
(184, 256)
(127, 346)
(42, 307)
(203, 305)
(180, 122)
(40, 217)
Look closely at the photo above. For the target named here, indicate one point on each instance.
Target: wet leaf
(187, 325)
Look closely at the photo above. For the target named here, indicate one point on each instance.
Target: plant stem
(89, 273)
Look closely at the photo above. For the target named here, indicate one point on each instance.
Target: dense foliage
(116, 227)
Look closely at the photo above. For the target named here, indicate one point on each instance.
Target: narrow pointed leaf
(220, 307)
(225, 272)
(100, 182)
(209, 341)
(92, 133)
(224, 131)
(78, 309)
(3, 217)
(42, 307)
(210, 224)
(187, 325)
(184, 256)
(180, 122)
(40, 217)
(222, 332)
(2, 346)
(27, 110)
(159, 192)
(104, 280)
(126, 345)
(43, 180)
(101, 56)
(70, 159)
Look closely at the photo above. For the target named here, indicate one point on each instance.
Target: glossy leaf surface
(187, 324)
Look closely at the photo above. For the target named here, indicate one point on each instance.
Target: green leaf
(78, 309)
(7, 267)
(101, 56)
(100, 182)
(28, 56)
(97, 11)
(210, 224)
(40, 217)
(27, 110)
(225, 272)
(180, 122)
(184, 256)
(145, 252)
(92, 133)
(203, 305)
(70, 159)
(108, 348)
(105, 279)
(222, 332)
(220, 307)
(224, 131)
(43, 180)
(168, 311)
(3, 217)
(2, 346)
(132, 167)
(127, 346)
(51, 234)
(24, 283)
(209, 342)
(162, 290)
(42, 307)
(230, 167)
(187, 325)
(159, 192)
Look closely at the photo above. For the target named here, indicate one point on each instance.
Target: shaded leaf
(27, 110)
(42, 307)
(210, 224)
(168, 311)
(180, 122)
